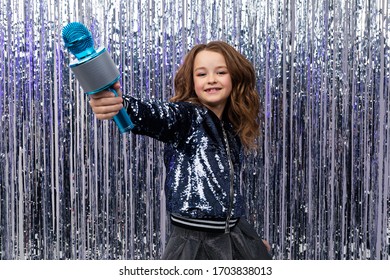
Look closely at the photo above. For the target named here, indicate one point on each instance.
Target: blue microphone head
(78, 40)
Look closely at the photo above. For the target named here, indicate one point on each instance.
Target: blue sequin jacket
(200, 163)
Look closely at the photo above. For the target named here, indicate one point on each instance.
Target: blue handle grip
(122, 119)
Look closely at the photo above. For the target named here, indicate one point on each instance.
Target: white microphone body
(97, 73)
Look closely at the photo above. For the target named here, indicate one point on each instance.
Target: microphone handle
(122, 119)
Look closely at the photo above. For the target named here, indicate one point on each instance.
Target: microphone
(94, 69)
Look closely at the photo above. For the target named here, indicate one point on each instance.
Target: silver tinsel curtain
(72, 187)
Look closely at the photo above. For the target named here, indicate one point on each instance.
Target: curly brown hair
(243, 106)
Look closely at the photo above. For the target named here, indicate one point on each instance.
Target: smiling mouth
(212, 90)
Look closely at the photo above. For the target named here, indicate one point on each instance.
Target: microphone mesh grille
(77, 38)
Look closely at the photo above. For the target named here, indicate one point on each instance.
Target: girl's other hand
(267, 245)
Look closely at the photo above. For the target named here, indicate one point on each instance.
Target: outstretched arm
(164, 121)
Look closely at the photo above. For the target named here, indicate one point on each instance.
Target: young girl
(211, 120)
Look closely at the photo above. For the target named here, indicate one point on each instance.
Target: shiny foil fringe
(72, 187)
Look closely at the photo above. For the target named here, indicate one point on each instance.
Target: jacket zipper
(231, 171)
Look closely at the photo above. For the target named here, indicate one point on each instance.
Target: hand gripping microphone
(94, 69)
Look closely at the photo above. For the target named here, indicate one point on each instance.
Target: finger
(106, 116)
(106, 113)
(119, 92)
(102, 94)
(107, 109)
(107, 101)
(116, 86)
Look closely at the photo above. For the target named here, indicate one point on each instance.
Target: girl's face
(212, 80)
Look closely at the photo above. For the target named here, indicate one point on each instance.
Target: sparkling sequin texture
(197, 181)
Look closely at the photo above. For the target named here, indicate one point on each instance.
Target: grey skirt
(241, 243)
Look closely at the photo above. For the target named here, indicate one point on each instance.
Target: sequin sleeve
(164, 121)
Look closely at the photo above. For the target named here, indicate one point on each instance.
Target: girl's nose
(212, 79)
